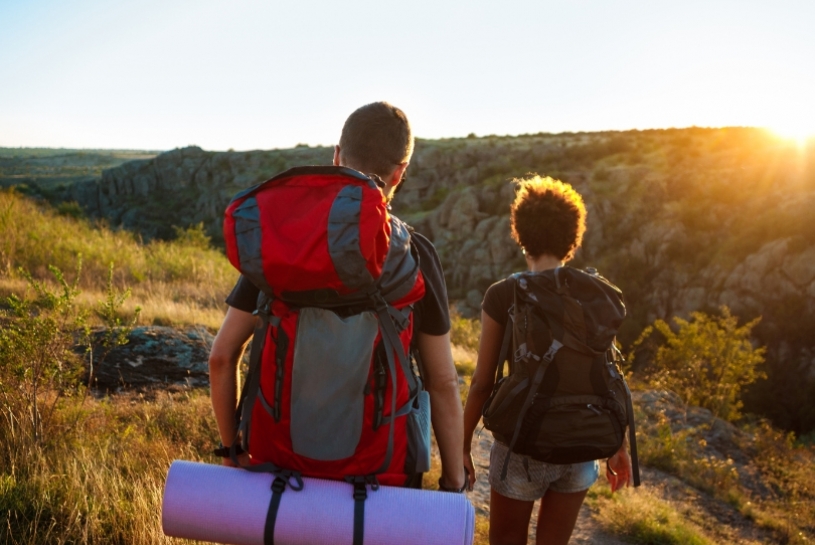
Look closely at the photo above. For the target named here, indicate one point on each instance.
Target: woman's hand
(618, 469)
(470, 467)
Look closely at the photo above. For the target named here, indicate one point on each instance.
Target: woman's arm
(492, 335)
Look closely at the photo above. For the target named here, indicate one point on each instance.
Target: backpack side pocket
(418, 435)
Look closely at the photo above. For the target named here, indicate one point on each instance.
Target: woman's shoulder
(501, 286)
(498, 299)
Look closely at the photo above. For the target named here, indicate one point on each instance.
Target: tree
(706, 360)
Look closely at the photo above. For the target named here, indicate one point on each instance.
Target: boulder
(154, 356)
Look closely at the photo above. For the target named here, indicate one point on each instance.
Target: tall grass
(177, 282)
(98, 476)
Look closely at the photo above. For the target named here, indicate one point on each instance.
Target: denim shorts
(528, 479)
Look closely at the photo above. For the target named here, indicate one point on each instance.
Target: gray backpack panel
(327, 401)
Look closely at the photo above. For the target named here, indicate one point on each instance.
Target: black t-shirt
(497, 301)
(431, 314)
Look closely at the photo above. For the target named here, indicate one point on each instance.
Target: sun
(801, 131)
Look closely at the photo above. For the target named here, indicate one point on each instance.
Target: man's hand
(243, 460)
(618, 469)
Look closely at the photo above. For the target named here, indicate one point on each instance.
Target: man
(376, 140)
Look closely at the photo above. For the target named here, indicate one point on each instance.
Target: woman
(548, 221)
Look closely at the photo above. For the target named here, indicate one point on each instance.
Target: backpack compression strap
(243, 414)
(536, 381)
(388, 317)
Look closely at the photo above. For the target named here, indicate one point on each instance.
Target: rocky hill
(681, 220)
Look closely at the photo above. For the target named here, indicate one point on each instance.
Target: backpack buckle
(553, 348)
(521, 352)
(279, 484)
(360, 492)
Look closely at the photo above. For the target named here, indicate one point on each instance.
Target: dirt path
(586, 532)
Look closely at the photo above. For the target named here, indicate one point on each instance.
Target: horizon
(801, 141)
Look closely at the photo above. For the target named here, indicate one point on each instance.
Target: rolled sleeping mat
(229, 505)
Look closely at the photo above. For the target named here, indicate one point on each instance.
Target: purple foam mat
(228, 505)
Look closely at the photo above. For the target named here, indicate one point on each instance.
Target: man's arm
(441, 381)
(226, 352)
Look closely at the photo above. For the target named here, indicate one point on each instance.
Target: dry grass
(773, 487)
(641, 516)
(99, 476)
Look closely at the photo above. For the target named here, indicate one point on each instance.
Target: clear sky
(244, 74)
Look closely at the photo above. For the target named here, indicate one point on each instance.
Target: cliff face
(681, 220)
(182, 187)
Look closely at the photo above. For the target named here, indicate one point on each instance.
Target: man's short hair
(376, 138)
(548, 217)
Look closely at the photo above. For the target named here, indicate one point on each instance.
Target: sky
(251, 74)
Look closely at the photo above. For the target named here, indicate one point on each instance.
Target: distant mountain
(681, 220)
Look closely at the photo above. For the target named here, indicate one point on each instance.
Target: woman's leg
(557, 517)
(509, 520)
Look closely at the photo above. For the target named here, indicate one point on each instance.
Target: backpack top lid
(323, 231)
(602, 304)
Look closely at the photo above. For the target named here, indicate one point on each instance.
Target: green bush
(706, 361)
(38, 364)
(195, 236)
(42, 343)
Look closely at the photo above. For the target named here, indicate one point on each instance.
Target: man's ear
(336, 155)
(398, 172)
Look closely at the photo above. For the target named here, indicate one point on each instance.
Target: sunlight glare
(799, 130)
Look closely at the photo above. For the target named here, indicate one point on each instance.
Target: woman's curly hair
(548, 217)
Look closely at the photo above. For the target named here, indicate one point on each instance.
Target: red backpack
(331, 392)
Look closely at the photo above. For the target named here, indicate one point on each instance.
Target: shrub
(464, 332)
(707, 361)
(71, 209)
(194, 236)
(39, 360)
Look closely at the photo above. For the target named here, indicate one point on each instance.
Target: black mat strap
(278, 487)
(360, 495)
(361, 484)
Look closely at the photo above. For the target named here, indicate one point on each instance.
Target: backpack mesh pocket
(332, 361)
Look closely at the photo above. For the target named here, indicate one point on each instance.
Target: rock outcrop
(156, 356)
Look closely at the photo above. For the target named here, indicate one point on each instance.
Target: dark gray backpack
(565, 399)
